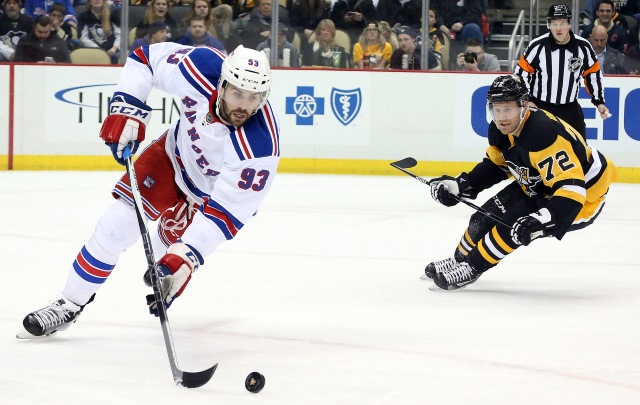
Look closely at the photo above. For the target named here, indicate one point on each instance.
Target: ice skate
(57, 316)
(438, 267)
(458, 277)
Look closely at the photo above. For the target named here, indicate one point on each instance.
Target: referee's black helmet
(507, 88)
(559, 12)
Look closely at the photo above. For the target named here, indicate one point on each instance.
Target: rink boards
(332, 121)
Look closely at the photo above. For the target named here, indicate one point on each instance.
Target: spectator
(305, 16)
(475, 59)
(41, 46)
(622, 8)
(632, 57)
(436, 38)
(553, 84)
(400, 12)
(63, 29)
(352, 16)
(13, 26)
(222, 20)
(201, 8)
(197, 35)
(409, 40)
(255, 27)
(389, 34)
(157, 32)
(371, 51)
(99, 28)
(240, 7)
(158, 10)
(323, 49)
(618, 36)
(611, 61)
(34, 8)
(461, 19)
(288, 55)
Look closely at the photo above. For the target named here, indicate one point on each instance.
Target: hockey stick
(410, 162)
(184, 378)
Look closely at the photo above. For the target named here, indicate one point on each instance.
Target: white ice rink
(321, 293)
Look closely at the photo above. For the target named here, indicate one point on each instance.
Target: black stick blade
(405, 163)
(198, 379)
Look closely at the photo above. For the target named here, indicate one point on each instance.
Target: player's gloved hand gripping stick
(523, 231)
(410, 162)
(184, 378)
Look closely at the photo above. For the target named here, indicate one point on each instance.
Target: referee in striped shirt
(552, 66)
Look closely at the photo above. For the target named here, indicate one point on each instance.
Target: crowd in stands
(358, 34)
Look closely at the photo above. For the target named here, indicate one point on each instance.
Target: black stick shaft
(184, 378)
(462, 200)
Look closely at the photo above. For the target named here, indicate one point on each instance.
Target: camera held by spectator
(470, 57)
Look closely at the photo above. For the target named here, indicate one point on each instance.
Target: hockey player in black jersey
(558, 185)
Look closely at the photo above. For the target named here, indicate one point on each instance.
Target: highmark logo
(345, 105)
(92, 103)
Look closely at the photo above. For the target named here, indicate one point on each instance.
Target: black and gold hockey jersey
(550, 161)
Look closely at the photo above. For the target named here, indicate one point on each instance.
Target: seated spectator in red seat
(158, 32)
(13, 26)
(407, 56)
(324, 51)
(197, 35)
(41, 46)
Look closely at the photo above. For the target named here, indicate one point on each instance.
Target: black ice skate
(57, 316)
(438, 267)
(459, 277)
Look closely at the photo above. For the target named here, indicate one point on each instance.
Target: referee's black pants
(571, 113)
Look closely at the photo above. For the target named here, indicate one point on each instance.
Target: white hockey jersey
(227, 170)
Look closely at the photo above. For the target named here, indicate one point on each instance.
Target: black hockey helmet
(507, 88)
(559, 12)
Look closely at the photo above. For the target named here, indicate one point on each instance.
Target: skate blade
(434, 287)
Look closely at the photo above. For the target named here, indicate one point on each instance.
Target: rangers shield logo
(345, 104)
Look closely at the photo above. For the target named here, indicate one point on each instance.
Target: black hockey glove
(445, 189)
(532, 226)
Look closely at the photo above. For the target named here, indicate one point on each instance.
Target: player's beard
(230, 118)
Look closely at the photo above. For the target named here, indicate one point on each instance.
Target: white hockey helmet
(246, 69)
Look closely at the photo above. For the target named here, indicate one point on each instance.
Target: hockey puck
(254, 382)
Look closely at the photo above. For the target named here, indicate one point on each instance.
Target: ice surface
(321, 293)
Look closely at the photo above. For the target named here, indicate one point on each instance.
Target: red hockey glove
(125, 125)
(175, 269)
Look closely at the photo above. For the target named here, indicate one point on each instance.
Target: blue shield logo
(345, 104)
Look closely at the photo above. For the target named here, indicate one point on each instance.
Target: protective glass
(501, 112)
(246, 100)
(556, 25)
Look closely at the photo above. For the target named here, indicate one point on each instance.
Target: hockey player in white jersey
(201, 180)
